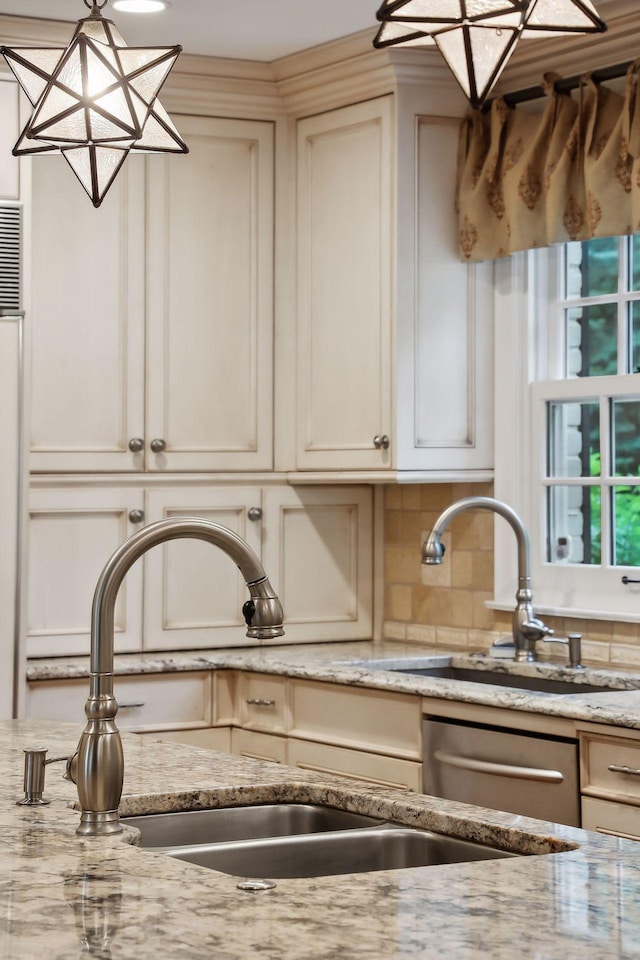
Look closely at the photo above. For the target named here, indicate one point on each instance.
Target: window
(578, 485)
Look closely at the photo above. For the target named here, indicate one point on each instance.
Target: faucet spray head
(263, 613)
(433, 549)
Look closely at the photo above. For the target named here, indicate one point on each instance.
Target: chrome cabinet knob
(158, 446)
(254, 513)
(136, 445)
(136, 516)
(381, 442)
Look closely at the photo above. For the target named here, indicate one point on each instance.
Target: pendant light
(95, 101)
(477, 37)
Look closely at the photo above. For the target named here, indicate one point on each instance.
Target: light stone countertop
(338, 663)
(62, 896)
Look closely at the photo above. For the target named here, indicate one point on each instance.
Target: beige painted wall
(445, 605)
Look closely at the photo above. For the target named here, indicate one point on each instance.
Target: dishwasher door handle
(498, 769)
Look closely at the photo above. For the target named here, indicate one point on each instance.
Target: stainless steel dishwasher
(526, 773)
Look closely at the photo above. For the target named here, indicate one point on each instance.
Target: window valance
(571, 172)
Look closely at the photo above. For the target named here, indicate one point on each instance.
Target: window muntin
(592, 437)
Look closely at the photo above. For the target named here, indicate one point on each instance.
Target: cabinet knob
(381, 442)
(158, 446)
(136, 445)
(254, 513)
(136, 516)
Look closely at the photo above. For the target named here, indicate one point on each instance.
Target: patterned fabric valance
(570, 173)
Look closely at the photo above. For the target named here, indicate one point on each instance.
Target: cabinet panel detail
(344, 277)
(264, 703)
(158, 701)
(212, 738)
(372, 720)
(259, 746)
(71, 535)
(319, 559)
(610, 767)
(604, 816)
(370, 767)
(194, 592)
(9, 130)
(87, 323)
(210, 298)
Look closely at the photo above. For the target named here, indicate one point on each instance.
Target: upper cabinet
(394, 333)
(9, 130)
(152, 317)
(344, 239)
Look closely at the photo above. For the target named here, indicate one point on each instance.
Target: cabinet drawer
(371, 720)
(263, 703)
(157, 701)
(211, 738)
(260, 746)
(610, 767)
(370, 767)
(603, 816)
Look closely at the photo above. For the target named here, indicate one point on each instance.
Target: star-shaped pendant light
(477, 37)
(95, 101)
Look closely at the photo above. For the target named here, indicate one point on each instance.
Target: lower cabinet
(315, 544)
(610, 780)
(151, 702)
(371, 735)
(358, 764)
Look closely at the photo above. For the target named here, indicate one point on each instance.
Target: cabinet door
(194, 593)
(370, 767)
(87, 321)
(9, 131)
(445, 318)
(344, 191)
(72, 532)
(317, 552)
(210, 296)
(10, 486)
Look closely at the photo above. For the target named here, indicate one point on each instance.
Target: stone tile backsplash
(446, 605)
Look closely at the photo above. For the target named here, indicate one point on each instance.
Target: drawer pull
(259, 702)
(499, 769)
(618, 768)
(131, 705)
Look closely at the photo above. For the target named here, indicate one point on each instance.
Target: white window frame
(529, 346)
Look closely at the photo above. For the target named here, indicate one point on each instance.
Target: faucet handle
(535, 629)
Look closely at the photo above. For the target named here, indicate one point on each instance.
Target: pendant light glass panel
(94, 100)
(477, 37)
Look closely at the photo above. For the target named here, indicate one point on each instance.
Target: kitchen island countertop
(63, 896)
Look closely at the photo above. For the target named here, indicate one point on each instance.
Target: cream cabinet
(161, 701)
(344, 187)
(394, 333)
(152, 318)
(610, 780)
(315, 544)
(9, 131)
(372, 735)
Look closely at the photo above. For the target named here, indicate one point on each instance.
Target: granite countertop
(62, 896)
(341, 663)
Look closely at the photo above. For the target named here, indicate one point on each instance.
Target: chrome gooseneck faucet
(98, 766)
(526, 627)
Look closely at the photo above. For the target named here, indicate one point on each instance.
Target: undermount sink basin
(253, 841)
(543, 684)
(243, 823)
(494, 677)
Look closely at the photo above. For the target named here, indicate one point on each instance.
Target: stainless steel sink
(543, 684)
(243, 823)
(320, 855)
(299, 840)
(494, 677)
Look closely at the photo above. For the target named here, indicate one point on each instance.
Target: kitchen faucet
(526, 627)
(97, 767)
